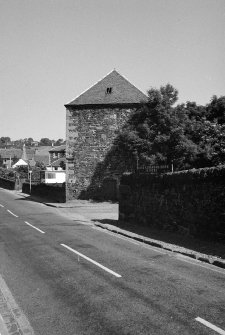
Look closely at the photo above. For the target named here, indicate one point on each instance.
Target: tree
(63, 165)
(45, 141)
(216, 109)
(211, 147)
(156, 133)
(40, 165)
(22, 171)
(18, 143)
(28, 141)
(59, 142)
(207, 130)
(4, 141)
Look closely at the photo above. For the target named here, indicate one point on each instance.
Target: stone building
(93, 120)
(57, 153)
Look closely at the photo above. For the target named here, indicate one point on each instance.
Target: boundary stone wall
(8, 184)
(191, 202)
(54, 193)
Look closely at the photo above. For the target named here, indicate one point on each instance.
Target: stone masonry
(93, 121)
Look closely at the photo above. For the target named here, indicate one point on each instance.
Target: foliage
(45, 141)
(29, 142)
(59, 142)
(36, 174)
(187, 135)
(7, 173)
(206, 133)
(22, 171)
(40, 165)
(62, 165)
(155, 134)
(4, 141)
(184, 177)
(216, 109)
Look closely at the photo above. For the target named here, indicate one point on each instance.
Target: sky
(53, 50)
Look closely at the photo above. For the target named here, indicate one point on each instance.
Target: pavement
(12, 319)
(105, 216)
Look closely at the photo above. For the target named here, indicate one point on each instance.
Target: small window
(50, 175)
(109, 90)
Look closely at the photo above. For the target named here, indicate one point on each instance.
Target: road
(71, 278)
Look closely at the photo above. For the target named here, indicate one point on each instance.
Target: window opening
(50, 175)
(109, 90)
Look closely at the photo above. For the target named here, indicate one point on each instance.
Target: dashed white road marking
(211, 326)
(41, 231)
(92, 261)
(1, 206)
(12, 213)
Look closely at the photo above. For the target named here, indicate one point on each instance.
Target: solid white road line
(12, 213)
(211, 326)
(1, 206)
(91, 260)
(41, 231)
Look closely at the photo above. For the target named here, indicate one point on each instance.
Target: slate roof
(122, 92)
(60, 148)
(7, 153)
(58, 162)
(20, 162)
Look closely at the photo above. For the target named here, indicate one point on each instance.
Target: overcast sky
(52, 50)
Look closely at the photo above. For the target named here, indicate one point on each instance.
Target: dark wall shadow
(34, 199)
(104, 184)
(207, 246)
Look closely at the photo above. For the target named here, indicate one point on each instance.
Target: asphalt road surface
(71, 278)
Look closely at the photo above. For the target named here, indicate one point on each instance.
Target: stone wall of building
(53, 156)
(189, 202)
(90, 136)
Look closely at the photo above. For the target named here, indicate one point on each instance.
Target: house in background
(55, 172)
(56, 153)
(93, 121)
(10, 157)
(26, 159)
